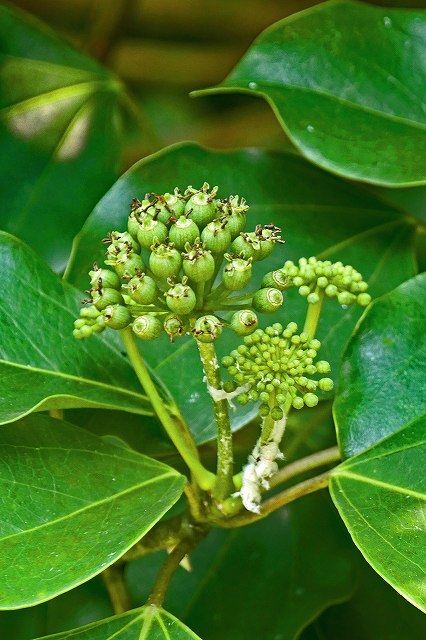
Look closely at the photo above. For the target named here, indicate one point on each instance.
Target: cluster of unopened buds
(273, 366)
(315, 277)
(178, 268)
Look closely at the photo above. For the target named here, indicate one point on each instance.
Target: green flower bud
(104, 297)
(150, 231)
(276, 279)
(267, 300)
(106, 277)
(198, 263)
(121, 242)
(345, 298)
(90, 311)
(165, 261)
(133, 224)
(174, 326)
(246, 245)
(235, 213)
(264, 410)
(182, 231)
(142, 289)
(201, 206)
(244, 322)
(363, 299)
(297, 402)
(268, 238)
(147, 327)
(207, 329)
(237, 273)
(126, 264)
(323, 366)
(277, 413)
(310, 399)
(326, 384)
(181, 298)
(313, 298)
(117, 316)
(169, 205)
(216, 236)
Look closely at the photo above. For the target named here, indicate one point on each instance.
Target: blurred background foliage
(163, 49)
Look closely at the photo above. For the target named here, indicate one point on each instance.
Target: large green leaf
(375, 612)
(268, 580)
(381, 496)
(71, 505)
(381, 382)
(320, 214)
(147, 623)
(346, 81)
(59, 134)
(42, 365)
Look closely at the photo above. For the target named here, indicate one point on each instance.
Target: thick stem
(115, 585)
(313, 315)
(224, 485)
(199, 293)
(280, 500)
(176, 429)
(318, 459)
(169, 567)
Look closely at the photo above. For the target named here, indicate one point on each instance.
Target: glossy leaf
(346, 81)
(59, 134)
(42, 366)
(72, 504)
(147, 623)
(319, 214)
(374, 612)
(267, 580)
(381, 496)
(382, 378)
(281, 188)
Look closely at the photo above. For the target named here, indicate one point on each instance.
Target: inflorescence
(314, 277)
(179, 265)
(273, 367)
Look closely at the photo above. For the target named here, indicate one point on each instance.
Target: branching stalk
(318, 459)
(280, 500)
(313, 315)
(224, 485)
(117, 590)
(176, 429)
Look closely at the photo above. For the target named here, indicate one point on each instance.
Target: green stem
(115, 585)
(280, 500)
(199, 293)
(318, 459)
(224, 485)
(176, 429)
(168, 569)
(313, 315)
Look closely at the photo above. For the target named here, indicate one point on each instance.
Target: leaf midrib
(68, 376)
(415, 124)
(92, 505)
(379, 483)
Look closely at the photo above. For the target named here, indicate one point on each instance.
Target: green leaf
(267, 580)
(384, 369)
(375, 612)
(381, 495)
(59, 131)
(42, 366)
(147, 623)
(320, 214)
(72, 505)
(346, 81)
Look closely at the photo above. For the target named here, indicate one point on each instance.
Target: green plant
(186, 416)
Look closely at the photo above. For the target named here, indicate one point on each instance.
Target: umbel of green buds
(181, 268)
(314, 277)
(275, 367)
